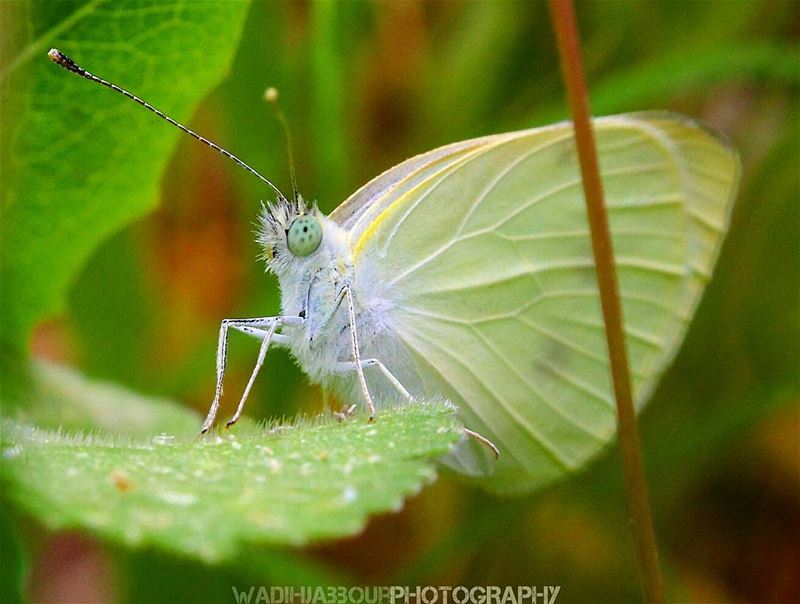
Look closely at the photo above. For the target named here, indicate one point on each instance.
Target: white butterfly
(466, 273)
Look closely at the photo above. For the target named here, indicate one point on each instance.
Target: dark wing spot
(556, 356)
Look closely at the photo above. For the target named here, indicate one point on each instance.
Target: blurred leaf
(670, 75)
(660, 80)
(83, 161)
(330, 93)
(462, 83)
(144, 573)
(14, 569)
(64, 399)
(112, 313)
(207, 497)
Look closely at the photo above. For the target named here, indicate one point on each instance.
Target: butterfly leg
(345, 294)
(244, 325)
(356, 353)
(350, 366)
(484, 441)
(262, 353)
(344, 413)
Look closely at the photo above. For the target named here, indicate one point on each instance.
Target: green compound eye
(304, 235)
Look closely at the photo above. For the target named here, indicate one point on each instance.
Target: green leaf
(79, 161)
(208, 497)
(64, 399)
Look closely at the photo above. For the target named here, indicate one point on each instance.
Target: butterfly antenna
(271, 96)
(64, 61)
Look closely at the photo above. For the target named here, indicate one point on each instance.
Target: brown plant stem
(563, 16)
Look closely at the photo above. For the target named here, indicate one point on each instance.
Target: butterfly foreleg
(253, 327)
(262, 353)
(351, 311)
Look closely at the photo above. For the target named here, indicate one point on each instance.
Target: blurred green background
(367, 84)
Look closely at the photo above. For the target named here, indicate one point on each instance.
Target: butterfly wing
(483, 251)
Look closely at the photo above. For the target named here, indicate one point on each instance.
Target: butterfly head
(288, 230)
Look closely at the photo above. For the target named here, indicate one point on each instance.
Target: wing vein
(502, 174)
(549, 449)
(488, 343)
